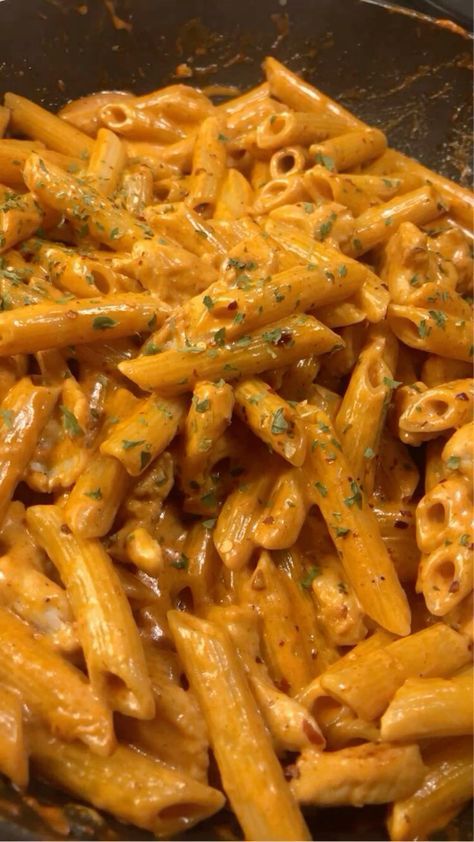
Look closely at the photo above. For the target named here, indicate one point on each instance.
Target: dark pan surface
(402, 72)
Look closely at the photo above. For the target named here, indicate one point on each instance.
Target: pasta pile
(236, 452)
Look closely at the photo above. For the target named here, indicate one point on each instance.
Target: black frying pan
(403, 72)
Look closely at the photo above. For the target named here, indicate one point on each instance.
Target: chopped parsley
(356, 498)
(321, 488)
(369, 453)
(182, 562)
(279, 422)
(423, 329)
(103, 323)
(7, 416)
(219, 337)
(70, 423)
(453, 463)
(311, 574)
(326, 227)
(325, 161)
(439, 317)
(392, 384)
(203, 406)
(95, 494)
(127, 444)
(145, 457)
(342, 531)
(464, 540)
(208, 302)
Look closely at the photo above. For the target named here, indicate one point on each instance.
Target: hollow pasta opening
(184, 810)
(276, 124)
(436, 514)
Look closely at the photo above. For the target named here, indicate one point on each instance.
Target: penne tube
(338, 609)
(137, 188)
(287, 161)
(208, 170)
(444, 513)
(293, 290)
(284, 514)
(445, 576)
(447, 785)
(361, 416)
(259, 794)
(13, 749)
(177, 735)
(95, 498)
(89, 212)
(397, 524)
(272, 419)
(377, 224)
(234, 533)
(438, 370)
(458, 198)
(209, 416)
(235, 196)
(279, 192)
(25, 410)
(458, 452)
(107, 162)
(124, 118)
(36, 599)
(55, 325)
(304, 128)
(143, 435)
(356, 192)
(107, 630)
(350, 149)
(177, 371)
(430, 707)
(301, 96)
(425, 330)
(364, 774)
(353, 527)
(20, 217)
(134, 786)
(52, 688)
(31, 120)
(290, 725)
(437, 410)
(270, 593)
(84, 112)
(367, 684)
(187, 227)
(368, 292)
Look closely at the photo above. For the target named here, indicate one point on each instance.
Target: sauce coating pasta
(236, 502)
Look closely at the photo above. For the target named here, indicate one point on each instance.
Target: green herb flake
(115, 234)
(7, 416)
(182, 562)
(464, 540)
(203, 406)
(127, 444)
(453, 463)
(103, 323)
(392, 384)
(414, 281)
(311, 574)
(356, 498)
(95, 494)
(209, 499)
(342, 531)
(208, 302)
(423, 329)
(151, 323)
(238, 318)
(70, 423)
(325, 161)
(222, 137)
(209, 523)
(279, 422)
(342, 270)
(369, 453)
(145, 457)
(439, 317)
(308, 207)
(150, 349)
(321, 488)
(326, 226)
(219, 337)
(272, 336)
